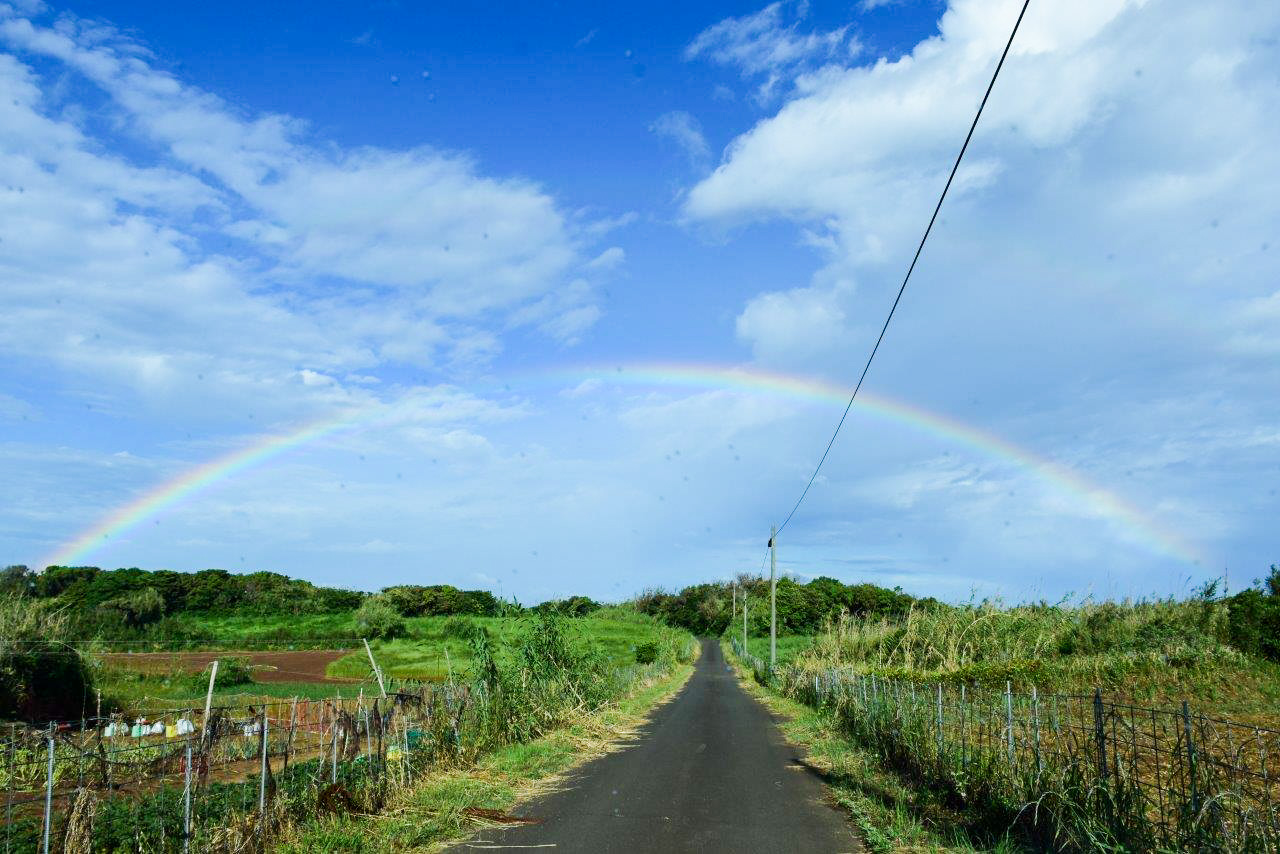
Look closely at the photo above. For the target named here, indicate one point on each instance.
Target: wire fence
(1072, 768)
(176, 779)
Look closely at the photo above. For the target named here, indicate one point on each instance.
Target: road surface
(709, 773)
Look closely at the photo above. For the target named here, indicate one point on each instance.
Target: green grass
(422, 655)
(789, 647)
(128, 689)
(1155, 653)
(310, 630)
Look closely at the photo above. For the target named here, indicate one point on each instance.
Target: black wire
(911, 268)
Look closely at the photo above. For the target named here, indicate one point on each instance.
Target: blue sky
(453, 226)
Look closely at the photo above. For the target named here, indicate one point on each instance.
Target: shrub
(41, 675)
(647, 653)
(142, 608)
(231, 671)
(376, 618)
(457, 627)
(1253, 622)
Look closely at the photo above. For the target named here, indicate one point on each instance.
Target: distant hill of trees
(706, 609)
(135, 598)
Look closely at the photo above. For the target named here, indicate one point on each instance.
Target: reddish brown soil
(303, 665)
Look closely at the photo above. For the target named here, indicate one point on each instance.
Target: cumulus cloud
(1105, 248)
(342, 260)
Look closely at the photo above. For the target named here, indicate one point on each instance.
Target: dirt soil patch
(302, 665)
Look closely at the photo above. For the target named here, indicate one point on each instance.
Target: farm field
(437, 644)
(434, 647)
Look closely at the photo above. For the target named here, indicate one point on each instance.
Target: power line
(955, 166)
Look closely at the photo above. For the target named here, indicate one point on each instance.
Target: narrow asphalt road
(709, 773)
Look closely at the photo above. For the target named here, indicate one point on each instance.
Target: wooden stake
(208, 702)
(376, 671)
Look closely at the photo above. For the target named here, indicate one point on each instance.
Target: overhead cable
(920, 248)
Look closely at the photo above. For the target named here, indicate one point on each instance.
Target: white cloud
(683, 129)
(791, 326)
(583, 389)
(760, 44)
(1103, 252)
(346, 259)
(608, 259)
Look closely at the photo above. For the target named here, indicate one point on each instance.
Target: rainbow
(742, 380)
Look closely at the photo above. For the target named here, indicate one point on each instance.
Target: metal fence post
(8, 805)
(1008, 717)
(1035, 726)
(1191, 759)
(262, 778)
(186, 801)
(939, 721)
(1099, 734)
(48, 795)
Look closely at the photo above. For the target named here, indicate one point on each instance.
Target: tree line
(803, 609)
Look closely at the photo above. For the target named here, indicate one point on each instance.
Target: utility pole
(735, 603)
(744, 623)
(773, 597)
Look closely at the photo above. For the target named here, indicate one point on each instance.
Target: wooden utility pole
(744, 624)
(773, 597)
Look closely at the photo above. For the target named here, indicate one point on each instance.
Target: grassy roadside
(433, 814)
(892, 814)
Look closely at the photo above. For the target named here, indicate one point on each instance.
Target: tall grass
(899, 686)
(1150, 650)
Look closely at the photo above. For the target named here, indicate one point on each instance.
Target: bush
(376, 618)
(41, 675)
(1253, 622)
(458, 627)
(647, 653)
(142, 608)
(231, 671)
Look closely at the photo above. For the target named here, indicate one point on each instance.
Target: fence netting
(1077, 770)
(180, 780)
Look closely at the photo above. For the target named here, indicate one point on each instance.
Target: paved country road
(709, 773)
